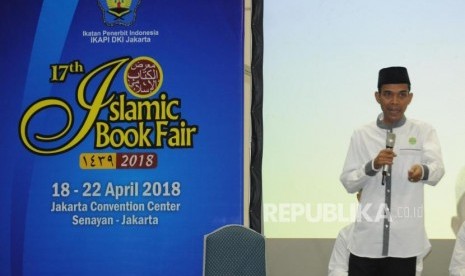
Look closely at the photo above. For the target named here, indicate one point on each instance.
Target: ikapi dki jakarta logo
(119, 12)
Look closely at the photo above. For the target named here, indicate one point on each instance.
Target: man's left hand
(415, 173)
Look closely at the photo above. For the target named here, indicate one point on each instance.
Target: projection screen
(321, 63)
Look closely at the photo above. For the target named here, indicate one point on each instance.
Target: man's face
(394, 99)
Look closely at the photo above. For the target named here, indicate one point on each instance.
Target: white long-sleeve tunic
(390, 219)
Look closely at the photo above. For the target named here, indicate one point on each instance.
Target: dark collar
(380, 123)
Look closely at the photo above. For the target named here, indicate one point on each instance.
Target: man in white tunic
(389, 231)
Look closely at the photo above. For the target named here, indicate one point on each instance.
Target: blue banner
(122, 141)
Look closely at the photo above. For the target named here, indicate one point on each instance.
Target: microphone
(390, 141)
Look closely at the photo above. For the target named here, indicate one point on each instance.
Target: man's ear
(377, 96)
(410, 95)
(455, 223)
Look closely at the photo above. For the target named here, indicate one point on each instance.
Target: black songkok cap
(392, 75)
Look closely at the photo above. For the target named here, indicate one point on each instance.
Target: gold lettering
(93, 107)
(143, 110)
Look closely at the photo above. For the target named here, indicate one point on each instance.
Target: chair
(234, 250)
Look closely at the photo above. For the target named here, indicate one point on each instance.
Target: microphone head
(390, 140)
